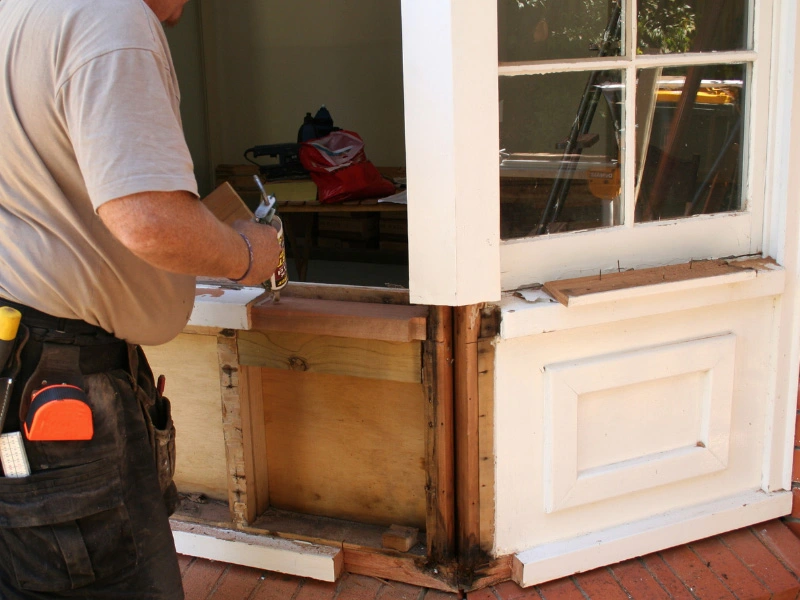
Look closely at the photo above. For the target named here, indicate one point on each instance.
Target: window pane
(558, 29)
(689, 129)
(560, 141)
(666, 26)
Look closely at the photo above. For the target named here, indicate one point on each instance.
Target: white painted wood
(782, 232)
(302, 559)
(559, 559)
(639, 380)
(614, 351)
(452, 150)
(521, 318)
(217, 306)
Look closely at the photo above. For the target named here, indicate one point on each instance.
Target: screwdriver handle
(9, 325)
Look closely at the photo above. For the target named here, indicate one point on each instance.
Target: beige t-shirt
(89, 112)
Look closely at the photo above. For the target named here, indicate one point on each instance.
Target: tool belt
(53, 350)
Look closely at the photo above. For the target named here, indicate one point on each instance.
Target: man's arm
(175, 232)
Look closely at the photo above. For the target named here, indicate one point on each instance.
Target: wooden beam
(254, 436)
(362, 320)
(412, 571)
(467, 325)
(439, 443)
(486, 444)
(371, 359)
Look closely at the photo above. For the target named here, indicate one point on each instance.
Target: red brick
(484, 594)
(184, 562)
(793, 524)
(393, 590)
(781, 542)
(664, 576)
(695, 574)
(314, 590)
(201, 577)
(796, 466)
(508, 590)
(796, 501)
(772, 574)
(561, 589)
(437, 595)
(358, 587)
(237, 582)
(600, 584)
(637, 581)
(276, 586)
(730, 570)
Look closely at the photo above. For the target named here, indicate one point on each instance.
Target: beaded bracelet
(250, 251)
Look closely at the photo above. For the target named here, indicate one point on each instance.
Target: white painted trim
(217, 306)
(302, 559)
(541, 314)
(560, 559)
(452, 150)
(782, 231)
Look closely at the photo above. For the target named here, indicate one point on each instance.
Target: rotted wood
(439, 443)
(486, 443)
(467, 324)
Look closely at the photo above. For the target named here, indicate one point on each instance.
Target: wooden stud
(254, 442)
(467, 416)
(486, 443)
(439, 443)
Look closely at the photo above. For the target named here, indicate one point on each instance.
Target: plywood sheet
(346, 447)
(190, 365)
(375, 359)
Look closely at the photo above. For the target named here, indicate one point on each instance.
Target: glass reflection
(670, 26)
(689, 141)
(558, 29)
(560, 157)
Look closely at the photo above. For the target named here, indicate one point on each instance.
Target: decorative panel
(634, 420)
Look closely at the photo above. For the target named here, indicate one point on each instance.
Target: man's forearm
(175, 232)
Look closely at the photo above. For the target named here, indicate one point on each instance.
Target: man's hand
(175, 232)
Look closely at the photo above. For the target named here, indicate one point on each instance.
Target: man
(101, 237)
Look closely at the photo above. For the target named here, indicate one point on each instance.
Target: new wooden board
(346, 447)
(361, 320)
(374, 359)
(486, 441)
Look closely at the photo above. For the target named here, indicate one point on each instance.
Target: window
(632, 133)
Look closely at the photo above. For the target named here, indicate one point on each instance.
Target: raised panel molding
(676, 399)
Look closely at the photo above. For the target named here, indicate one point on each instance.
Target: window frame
(531, 260)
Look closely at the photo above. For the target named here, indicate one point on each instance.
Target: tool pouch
(157, 412)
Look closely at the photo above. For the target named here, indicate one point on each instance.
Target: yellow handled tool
(9, 325)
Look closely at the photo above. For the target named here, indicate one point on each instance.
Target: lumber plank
(346, 447)
(362, 320)
(397, 568)
(609, 286)
(373, 359)
(349, 293)
(439, 443)
(400, 538)
(486, 443)
(467, 329)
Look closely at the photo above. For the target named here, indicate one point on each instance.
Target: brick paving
(756, 563)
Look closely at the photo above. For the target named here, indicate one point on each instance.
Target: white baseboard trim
(302, 559)
(610, 546)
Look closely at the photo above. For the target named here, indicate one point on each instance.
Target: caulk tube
(9, 325)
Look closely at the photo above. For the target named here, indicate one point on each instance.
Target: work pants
(91, 521)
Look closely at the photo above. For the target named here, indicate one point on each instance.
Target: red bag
(339, 166)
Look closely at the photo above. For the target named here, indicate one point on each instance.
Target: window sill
(592, 300)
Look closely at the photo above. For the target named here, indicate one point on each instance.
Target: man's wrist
(249, 259)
